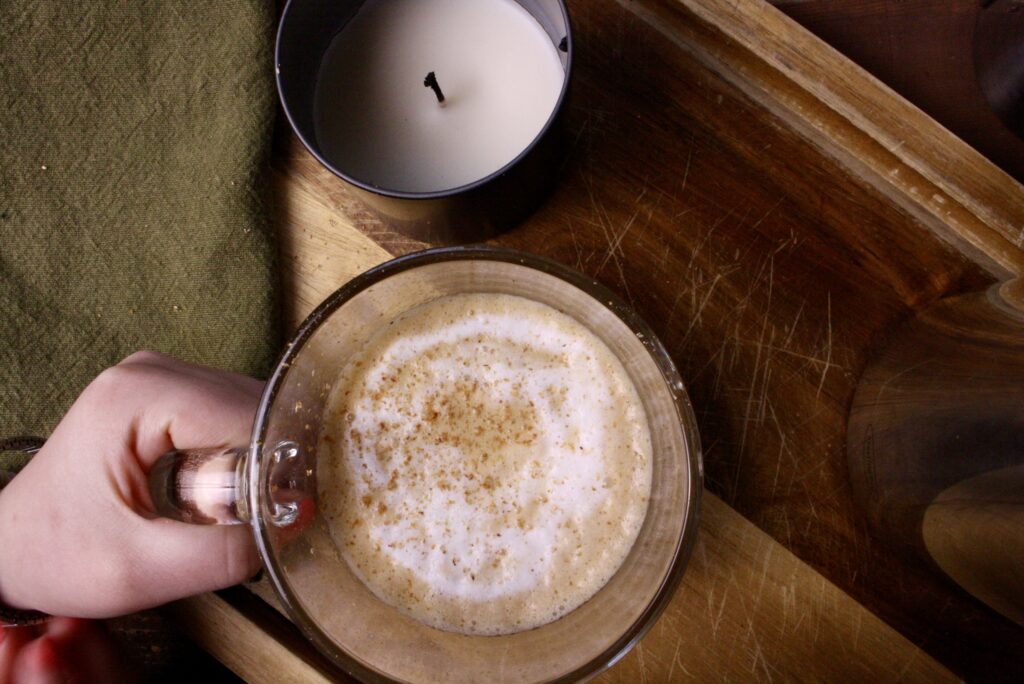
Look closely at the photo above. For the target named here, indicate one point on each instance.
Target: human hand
(61, 650)
(77, 533)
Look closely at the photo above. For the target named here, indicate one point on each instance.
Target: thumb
(180, 559)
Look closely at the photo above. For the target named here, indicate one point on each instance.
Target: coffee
(485, 463)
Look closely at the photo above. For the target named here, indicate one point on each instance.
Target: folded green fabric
(132, 141)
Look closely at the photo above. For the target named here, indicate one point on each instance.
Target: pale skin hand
(61, 650)
(77, 533)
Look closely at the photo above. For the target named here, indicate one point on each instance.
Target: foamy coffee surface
(485, 464)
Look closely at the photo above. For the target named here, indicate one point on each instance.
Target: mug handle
(210, 486)
(201, 486)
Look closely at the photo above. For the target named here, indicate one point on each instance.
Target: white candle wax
(499, 71)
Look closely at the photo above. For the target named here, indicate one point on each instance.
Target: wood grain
(935, 53)
(950, 187)
(934, 441)
(975, 533)
(241, 634)
(768, 613)
(773, 212)
(747, 610)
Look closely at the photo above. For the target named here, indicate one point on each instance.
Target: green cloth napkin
(133, 137)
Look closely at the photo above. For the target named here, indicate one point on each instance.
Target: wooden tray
(772, 210)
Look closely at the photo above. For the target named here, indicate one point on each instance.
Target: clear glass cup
(271, 484)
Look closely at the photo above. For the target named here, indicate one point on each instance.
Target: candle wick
(431, 82)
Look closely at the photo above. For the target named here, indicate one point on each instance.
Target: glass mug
(271, 483)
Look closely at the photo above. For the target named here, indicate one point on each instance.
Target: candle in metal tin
(441, 114)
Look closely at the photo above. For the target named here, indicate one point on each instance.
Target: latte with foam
(485, 464)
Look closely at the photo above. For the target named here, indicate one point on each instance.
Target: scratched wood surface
(747, 608)
(772, 211)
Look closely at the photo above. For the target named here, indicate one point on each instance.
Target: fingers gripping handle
(201, 486)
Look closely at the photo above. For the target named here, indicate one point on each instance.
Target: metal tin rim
(435, 194)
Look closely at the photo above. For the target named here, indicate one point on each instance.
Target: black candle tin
(469, 213)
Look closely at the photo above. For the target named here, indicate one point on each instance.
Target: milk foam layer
(485, 464)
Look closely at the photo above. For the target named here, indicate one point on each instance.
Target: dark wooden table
(937, 54)
(773, 212)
